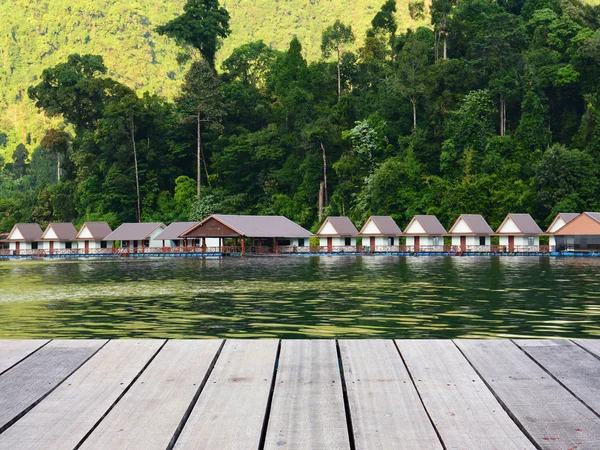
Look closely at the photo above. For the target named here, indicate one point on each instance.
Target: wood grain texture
(308, 405)
(385, 408)
(553, 417)
(591, 345)
(571, 365)
(65, 416)
(13, 351)
(231, 409)
(464, 411)
(31, 380)
(149, 414)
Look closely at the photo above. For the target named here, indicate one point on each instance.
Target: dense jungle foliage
(493, 108)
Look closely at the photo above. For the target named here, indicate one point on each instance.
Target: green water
(298, 297)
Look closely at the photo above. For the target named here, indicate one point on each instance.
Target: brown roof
(133, 231)
(475, 222)
(29, 231)
(524, 222)
(342, 225)
(387, 226)
(258, 226)
(65, 231)
(175, 230)
(584, 224)
(567, 217)
(98, 230)
(430, 224)
(594, 215)
(3, 236)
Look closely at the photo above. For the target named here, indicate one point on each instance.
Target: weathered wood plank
(553, 417)
(231, 409)
(65, 416)
(307, 411)
(30, 381)
(464, 411)
(13, 351)
(150, 412)
(591, 345)
(570, 364)
(384, 405)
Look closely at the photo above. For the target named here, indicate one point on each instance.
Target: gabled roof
(476, 223)
(385, 224)
(133, 231)
(587, 223)
(524, 223)
(256, 226)
(62, 231)
(98, 230)
(27, 232)
(566, 217)
(430, 225)
(594, 215)
(175, 230)
(343, 226)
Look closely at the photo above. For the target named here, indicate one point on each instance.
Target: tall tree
(440, 15)
(19, 157)
(201, 27)
(385, 20)
(57, 143)
(334, 38)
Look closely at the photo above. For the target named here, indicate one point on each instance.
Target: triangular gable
(581, 225)
(15, 234)
(509, 227)
(415, 227)
(461, 227)
(370, 228)
(85, 233)
(49, 233)
(211, 227)
(327, 228)
(560, 221)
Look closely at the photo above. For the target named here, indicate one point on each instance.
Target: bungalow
(92, 236)
(380, 231)
(559, 221)
(267, 233)
(59, 236)
(337, 232)
(24, 237)
(171, 237)
(134, 236)
(425, 233)
(580, 234)
(470, 231)
(520, 232)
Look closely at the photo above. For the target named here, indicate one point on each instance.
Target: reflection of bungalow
(380, 231)
(91, 236)
(425, 233)
(171, 237)
(137, 235)
(337, 232)
(559, 221)
(470, 231)
(520, 232)
(59, 236)
(580, 234)
(267, 233)
(24, 236)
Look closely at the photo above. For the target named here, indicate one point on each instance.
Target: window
(347, 241)
(435, 240)
(124, 244)
(147, 243)
(481, 240)
(530, 241)
(391, 241)
(176, 243)
(300, 242)
(68, 245)
(284, 242)
(34, 246)
(103, 244)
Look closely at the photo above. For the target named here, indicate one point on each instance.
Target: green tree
(385, 20)
(335, 37)
(20, 156)
(56, 142)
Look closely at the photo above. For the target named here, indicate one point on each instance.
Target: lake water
(302, 297)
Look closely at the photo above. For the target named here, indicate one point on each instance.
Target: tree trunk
(325, 197)
(445, 44)
(198, 156)
(137, 174)
(339, 74)
(437, 45)
(58, 166)
(414, 105)
(502, 115)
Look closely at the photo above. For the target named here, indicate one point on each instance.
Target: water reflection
(287, 297)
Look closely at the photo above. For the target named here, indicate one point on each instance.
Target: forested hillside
(492, 108)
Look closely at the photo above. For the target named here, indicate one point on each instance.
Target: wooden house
(580, 234)
(264, 233)
(24, 237)
(379, 232)
(136, 237)
(519, 232)
(337, 233)
(559, 221)
(425, 233)
(58, 237)
(470, 231)
(91, 237)
(171, 237)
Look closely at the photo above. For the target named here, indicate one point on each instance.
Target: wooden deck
(300, 394)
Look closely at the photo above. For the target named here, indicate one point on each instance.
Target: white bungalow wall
(425, 241)
(380, 241)
(58, 245)
(558, 224)
(336, 241)
(470, 240)
(520, 241)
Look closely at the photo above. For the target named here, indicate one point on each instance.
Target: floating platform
(300, 394)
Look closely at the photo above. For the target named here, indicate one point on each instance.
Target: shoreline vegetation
(494, 107)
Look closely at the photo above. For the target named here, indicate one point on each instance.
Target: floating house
(136, 236)
(470, 231)
(559, 221)
(380, 231)
(58, 236)
(266, 233)
(580, 234)
(171, 237)
(519, 232)
(425, 233)
(91, 236)
(337, 232)
(24, 237)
